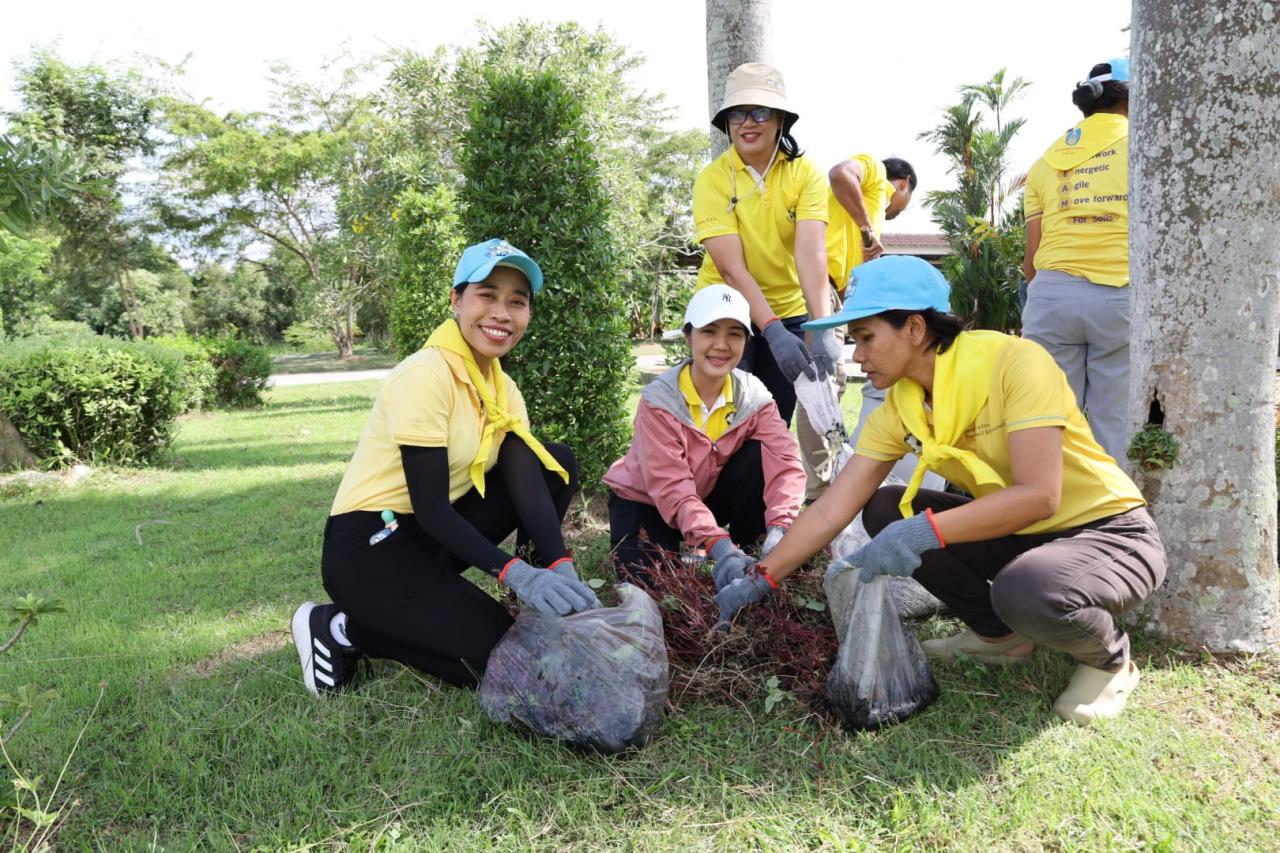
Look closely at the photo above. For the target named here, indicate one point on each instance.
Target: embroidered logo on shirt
(1073, 135)
(913, 443)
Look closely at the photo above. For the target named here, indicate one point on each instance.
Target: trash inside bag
(595, 679)
(880, 676)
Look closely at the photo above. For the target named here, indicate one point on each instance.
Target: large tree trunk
(738, 31)
(1205, 253)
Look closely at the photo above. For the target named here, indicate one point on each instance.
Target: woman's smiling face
(755, 140)
(493, 314)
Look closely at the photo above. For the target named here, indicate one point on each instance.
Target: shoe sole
(301, 629)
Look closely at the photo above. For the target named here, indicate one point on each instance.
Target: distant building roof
(921, 245)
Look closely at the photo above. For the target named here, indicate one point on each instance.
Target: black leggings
(757, 359)
(406, 599)
(639, 535)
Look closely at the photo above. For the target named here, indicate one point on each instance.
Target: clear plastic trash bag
(594, 679)
(880, 675)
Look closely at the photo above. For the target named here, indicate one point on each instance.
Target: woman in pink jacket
(711, 462)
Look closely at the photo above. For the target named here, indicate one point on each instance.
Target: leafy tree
(236, 302)
(157, 306)
(979, 216)
(108, 117)
(532, 177)
(647, 170)
(256, 178)
(25, 281)
(32, 180)
(429, 241)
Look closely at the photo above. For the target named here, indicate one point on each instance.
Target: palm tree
(983, 226)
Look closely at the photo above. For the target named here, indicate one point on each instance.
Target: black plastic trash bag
(880, 676)
(596, 679)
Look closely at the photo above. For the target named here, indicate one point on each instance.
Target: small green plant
(1154, 449)
(776, 695)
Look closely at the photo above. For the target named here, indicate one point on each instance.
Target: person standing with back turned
(1077, 259)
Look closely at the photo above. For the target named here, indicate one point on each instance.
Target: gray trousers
(1062, 590)
(1085, 327)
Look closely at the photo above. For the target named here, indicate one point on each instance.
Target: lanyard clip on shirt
(758, 178)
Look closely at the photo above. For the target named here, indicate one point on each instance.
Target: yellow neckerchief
(1086, 139)
(961, 382)
(493, 399)
(718, 421)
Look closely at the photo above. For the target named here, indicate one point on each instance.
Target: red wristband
(502, 574)
(770, 321)
(713, 540)
(928, 513)
(559, 561)
(763, 571)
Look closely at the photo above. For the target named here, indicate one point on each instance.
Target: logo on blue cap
(890, 283)
(478, 261)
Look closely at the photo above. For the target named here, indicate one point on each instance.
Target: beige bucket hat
(758, 84)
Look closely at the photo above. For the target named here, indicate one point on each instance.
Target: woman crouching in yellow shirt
(1057, 539)
(436, 482)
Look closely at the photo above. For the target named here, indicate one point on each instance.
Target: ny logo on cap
(727, 297)
(502, 249)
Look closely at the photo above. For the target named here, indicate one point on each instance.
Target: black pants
(640, 537)
(757, 359)
(405, 598)
(1062, 589)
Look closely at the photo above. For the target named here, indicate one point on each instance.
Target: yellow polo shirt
(1080, 191)
(1027, 389)
(794, 191)
(844, 238)
(428, 400)
(712, 423)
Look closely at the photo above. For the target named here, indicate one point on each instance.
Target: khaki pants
(816, 458)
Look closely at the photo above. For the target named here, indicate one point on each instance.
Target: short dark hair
(942, 326)
(1093, 97)
(897, 168)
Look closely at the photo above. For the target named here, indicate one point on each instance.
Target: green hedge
(103, 402)
(428, 243)
(241, 370)
(533, 178)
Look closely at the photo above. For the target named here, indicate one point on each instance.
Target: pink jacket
(673, 466)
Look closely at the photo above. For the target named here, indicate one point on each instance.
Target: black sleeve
(526, 482)
(426, 471)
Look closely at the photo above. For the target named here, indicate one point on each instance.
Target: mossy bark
(1205, 256)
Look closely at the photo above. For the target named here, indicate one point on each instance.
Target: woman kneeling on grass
(710, 452)
(1058, 539)
(433, 487)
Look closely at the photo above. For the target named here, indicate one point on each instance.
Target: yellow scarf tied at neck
(493, 398)
(961, 382)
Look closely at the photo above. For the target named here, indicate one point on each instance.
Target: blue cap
(890, 283)
(1119, 71)
(479, 260)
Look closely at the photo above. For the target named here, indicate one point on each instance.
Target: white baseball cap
(718, 302)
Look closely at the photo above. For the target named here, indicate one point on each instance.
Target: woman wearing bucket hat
(711, 464)
(1057, 541)
(445, 469)
(760, 211)
(1077, 258)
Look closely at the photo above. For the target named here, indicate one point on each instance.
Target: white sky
(863, 76)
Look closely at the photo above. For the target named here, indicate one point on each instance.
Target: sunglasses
(759, 115)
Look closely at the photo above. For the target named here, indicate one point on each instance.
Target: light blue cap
(479, 260)
(890, 283)
(1119, 71)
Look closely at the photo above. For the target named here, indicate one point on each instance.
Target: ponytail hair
(1093, 96)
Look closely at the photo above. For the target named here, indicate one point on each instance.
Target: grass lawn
(204, 738)
(284, 361)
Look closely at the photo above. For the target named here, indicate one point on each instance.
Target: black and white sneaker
(327, 665)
